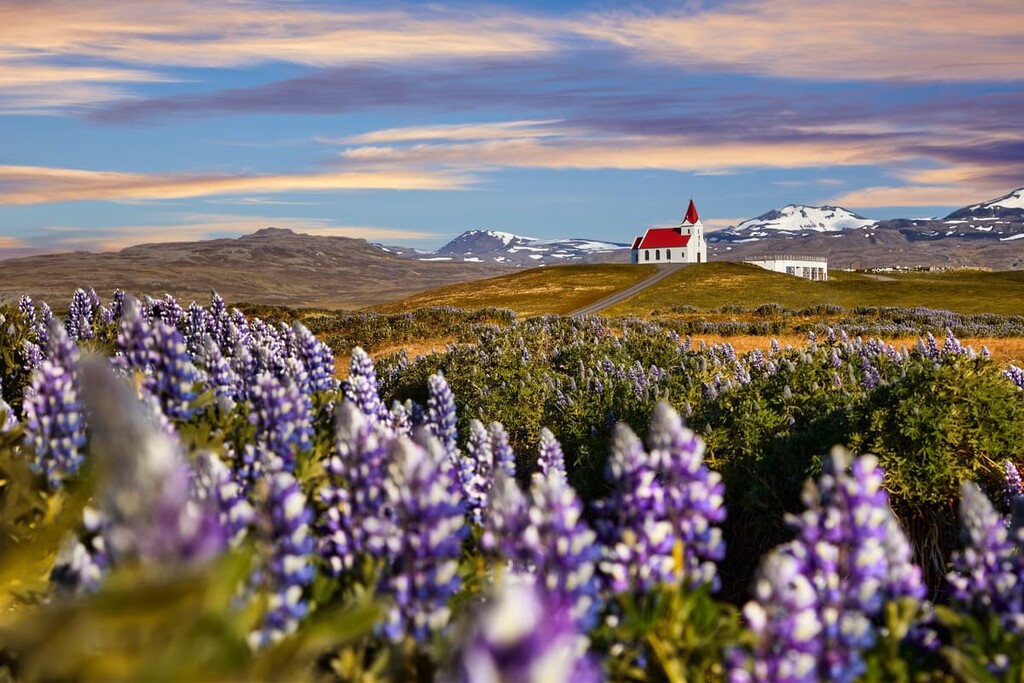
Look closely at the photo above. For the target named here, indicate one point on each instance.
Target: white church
(682, 244)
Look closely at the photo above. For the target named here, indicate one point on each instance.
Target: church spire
(691, 213)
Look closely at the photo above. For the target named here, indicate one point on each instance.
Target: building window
(790, 270)
(647, 254)
(657, 254)
(668, 254)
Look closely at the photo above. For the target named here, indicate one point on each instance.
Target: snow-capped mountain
(491, 246)
(1009, 205)
(799, 218)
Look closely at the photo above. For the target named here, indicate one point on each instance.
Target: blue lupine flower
(290, 569)
(550, 457)
(317, 358)
(520, 635)
(989, 572)
(216, 483)
(424, 571)
(355, 521)
(505, 522)
(636, 535)
(441, 414)
(504, 457)
(559, 545)
(818, 599)
(54, 422)
(282, 419)
(476, 471)
(172, 375)
(1015, 375)
(80, 315)
(1012, 489)
(694, 496)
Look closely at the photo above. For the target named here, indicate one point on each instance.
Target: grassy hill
(552, 289)
(563, 289)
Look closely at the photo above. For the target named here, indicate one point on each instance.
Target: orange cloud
(37, 184)
(919, 40)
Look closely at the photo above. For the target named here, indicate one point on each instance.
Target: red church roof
(659, 238)
(691, 214)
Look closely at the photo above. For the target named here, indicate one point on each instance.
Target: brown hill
(272, 266)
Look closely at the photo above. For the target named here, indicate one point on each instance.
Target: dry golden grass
(417, 348)
(539, 291)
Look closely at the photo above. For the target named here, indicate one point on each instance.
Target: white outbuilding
(810, 267)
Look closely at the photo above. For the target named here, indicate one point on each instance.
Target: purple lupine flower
(42, 326)
(1012, 489)
(784, 619)
(989, 572)
(147, 497)
(361, 386)
(694, 495)
(28, 310)
(504, 457)
(475, 470)
(550, 457)
(441, 412)
(317, 358)
(424, 572)
(355, 519)
(282, 420)
(560, 547)
(220, 376)
(217, 483)
(171, 375)
(952, 346)
(1015, 375)
(54, 418)
(80, 311)
(290, 569)
(518, 634)
(820, 597)
(32, 355)
(636, 536)
(195, 328)
(505, 522)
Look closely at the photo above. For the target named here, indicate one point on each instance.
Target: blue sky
(407, 123)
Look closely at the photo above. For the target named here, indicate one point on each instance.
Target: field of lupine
(190, 493)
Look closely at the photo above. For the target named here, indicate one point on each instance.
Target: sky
(408, 123)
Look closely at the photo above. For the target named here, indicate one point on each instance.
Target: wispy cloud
(916, 40)
(37, 184)
(38, 38)
(501, 130)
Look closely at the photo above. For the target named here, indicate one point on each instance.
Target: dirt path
(662, 273)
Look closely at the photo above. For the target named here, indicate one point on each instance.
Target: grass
(538, 291)
(562, 289)
(718, 284)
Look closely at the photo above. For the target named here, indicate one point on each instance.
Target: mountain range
(279, 266)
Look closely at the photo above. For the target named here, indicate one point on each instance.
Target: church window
(657, 254)
(668, 254)
(647, 254)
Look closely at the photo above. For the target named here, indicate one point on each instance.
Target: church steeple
(691, 213)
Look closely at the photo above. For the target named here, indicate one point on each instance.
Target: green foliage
(981, 651)
(933, 427)
(14, 332)
(673, 635)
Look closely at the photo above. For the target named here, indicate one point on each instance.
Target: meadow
(195, 492)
